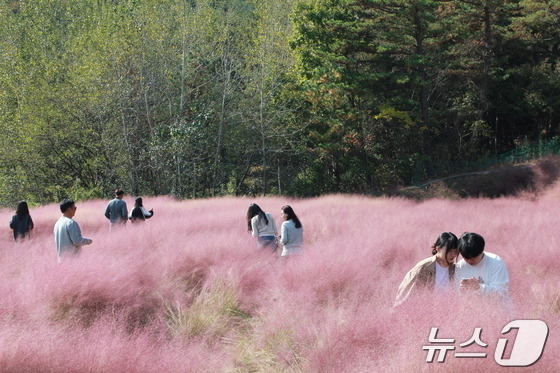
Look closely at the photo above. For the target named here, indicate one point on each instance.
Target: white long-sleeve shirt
(68, 237)
(292, 238)
(491, 272)
(260, 228)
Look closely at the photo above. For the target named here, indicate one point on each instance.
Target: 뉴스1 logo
(528, 346)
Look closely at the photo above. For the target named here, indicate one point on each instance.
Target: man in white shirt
(480, 272)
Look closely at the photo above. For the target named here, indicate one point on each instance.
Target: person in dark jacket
(21, 222)
(139, 213)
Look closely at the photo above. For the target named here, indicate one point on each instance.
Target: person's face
(283, 215)
(451, 255)
(441, 252)
(474, 261)
(72, 211)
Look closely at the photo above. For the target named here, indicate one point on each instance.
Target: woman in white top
(292, 232)
(262, 225)
(434, 273)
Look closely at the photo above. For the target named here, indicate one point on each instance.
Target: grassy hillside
(189, 291)
(502, 179)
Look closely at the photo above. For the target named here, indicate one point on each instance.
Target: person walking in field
(116, 210)
(262, 226)
(435, 273)
(139, 213)
(67, 233)
(291, 236)
(21, 222)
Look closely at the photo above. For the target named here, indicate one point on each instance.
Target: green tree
(362, 61)
(49, 147)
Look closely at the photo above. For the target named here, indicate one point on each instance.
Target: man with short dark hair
(479, 271)
(116, 210)
(67, 233)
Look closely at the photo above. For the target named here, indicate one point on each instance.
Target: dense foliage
(214, 97)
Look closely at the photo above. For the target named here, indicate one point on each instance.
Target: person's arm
(108, 211)
(147, 214)
(415, 279)
(12, 222)
(124, 212)
(76, 235)
(499, 281)
(30, 224)
(456, 280)
(254, 230)
(406, 287)
(284, 237)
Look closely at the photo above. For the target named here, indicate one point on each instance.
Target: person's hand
(469, 284)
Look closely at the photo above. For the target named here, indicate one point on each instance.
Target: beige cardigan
(422, 276)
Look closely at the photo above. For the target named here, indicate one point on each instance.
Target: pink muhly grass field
(188, 290)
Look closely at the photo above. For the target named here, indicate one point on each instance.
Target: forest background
(198, 98)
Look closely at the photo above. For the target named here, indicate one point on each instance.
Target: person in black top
(21, 222)
(139, 213)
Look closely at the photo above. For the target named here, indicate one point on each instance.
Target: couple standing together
(478, 272)
(262, 225)
(117, 212)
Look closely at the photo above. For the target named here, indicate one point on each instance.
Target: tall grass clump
(188, 290)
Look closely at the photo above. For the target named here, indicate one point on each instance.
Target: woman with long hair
(434, 273)
(21, 222)
(139, 213)
(262, 225)
(291, 233)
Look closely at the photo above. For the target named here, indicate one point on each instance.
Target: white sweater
(68, 237)
(491, 272)
(292, 238)
(260, 228)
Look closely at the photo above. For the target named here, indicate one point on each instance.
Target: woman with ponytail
(434, 273)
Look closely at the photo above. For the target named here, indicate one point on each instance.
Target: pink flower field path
(188, 290)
